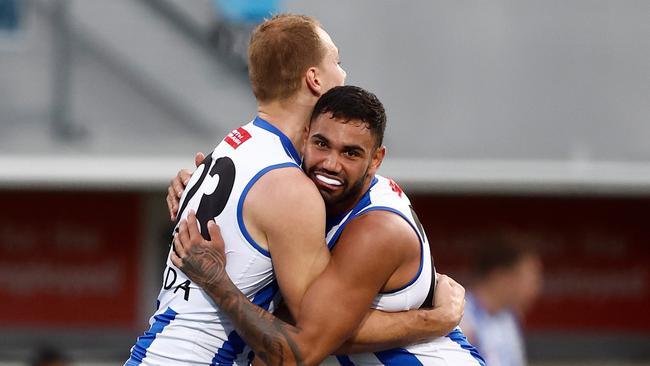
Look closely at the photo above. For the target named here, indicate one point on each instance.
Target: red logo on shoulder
(395, 187)
(237, 137)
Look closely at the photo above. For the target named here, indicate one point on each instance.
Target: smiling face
(341, 158)
(343, 149)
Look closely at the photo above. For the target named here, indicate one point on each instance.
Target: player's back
(385, 195)
(187, 327)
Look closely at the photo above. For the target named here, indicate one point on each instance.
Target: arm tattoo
(270, 338)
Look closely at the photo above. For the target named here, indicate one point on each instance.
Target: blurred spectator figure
(507, 274)
(48, 356)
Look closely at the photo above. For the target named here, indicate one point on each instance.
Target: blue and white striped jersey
(498, 335)
(384, 194)
(188, 328)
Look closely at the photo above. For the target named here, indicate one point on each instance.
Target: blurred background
(526, 119)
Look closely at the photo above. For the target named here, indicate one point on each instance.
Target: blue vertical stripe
(242, 198)
(401, 214)
(363, 203)
(234, 345)
(458, 337)
(398, 356)
(139, 351)
(286, 142)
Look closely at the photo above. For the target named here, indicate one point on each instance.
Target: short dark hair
(354, 103)
(501, 251)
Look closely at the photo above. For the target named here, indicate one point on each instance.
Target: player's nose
(331, 163)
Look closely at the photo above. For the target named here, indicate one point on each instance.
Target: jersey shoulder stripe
(286, 142)
(364, 202)
(422, 243)
(242, 198)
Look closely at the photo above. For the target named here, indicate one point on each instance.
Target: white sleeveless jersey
(385, 195)
(498, 336)
(188, 328)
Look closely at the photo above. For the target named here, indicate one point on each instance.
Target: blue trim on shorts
(240, 205)
(139, 351)
(458, 337)
(234, 345)
(363, 203)
(398, 356)
(395, 211)
(286, 142)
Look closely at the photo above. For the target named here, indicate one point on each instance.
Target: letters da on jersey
(172, 283)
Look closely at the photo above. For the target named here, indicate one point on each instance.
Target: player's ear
(305, 136)
(313, 82)
(377, 159)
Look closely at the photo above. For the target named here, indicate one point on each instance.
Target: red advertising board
(69, 260)
(596, 253)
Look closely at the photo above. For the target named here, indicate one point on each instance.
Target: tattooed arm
(276, 219)
(205, 264)
(363, 262)
(379, 330)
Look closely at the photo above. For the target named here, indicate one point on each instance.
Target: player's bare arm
(204, 262)
(285, 211)
(383, 330)
(282, 207)
(363, 264)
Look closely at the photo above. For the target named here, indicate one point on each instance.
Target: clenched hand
(450, 295)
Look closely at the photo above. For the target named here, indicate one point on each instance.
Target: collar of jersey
(286, 142)
(364, 201)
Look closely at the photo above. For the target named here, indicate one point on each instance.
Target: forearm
(381, 330)
(271, 339)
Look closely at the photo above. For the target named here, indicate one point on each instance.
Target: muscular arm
(378, 330)
(333, 306)
(381, 330)
(285, 214)
(285, 210)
